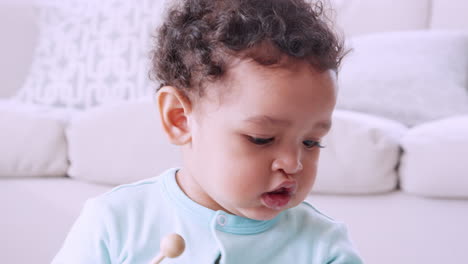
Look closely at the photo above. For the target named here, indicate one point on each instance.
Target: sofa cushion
(32, 141)
(37, 214)
(435, 159)
(360, 156)
(401, 228)
(91, 52)
(412, 77)
(119, 143)
(403, 222)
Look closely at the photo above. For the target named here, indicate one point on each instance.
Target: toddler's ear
(174, 108)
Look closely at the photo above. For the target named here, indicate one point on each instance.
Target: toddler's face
(254, 145)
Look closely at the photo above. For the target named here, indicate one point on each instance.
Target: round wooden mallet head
(171, 246)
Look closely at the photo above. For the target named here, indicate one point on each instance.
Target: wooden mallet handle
(172, 246)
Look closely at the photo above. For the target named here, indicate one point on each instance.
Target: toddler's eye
(312, 143)
(260, 141)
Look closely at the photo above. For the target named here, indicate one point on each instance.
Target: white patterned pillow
(92, 52)
(412, 77)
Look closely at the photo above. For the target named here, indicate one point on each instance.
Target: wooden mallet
(172, 246)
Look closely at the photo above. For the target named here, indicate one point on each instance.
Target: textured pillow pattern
(91, 52)
(361, 155)
(435, 159)
(411, 77)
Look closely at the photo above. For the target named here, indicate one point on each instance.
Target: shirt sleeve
(341, 249)
(88, 239)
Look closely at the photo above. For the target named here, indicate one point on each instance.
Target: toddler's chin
(262, 213)
(263, 216)
(266, 213)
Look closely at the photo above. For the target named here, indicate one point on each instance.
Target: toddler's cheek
(306, 185)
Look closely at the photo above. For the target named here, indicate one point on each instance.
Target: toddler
(247, 91)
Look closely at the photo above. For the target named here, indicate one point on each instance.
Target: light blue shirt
(126, 224)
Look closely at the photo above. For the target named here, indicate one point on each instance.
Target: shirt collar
(222, 221)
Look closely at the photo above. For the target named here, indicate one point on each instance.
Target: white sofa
(400, 206)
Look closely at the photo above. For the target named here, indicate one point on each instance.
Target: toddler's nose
(290, 164)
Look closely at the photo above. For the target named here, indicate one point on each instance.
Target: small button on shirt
(126, 225)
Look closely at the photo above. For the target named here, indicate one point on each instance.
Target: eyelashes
(312, 143)
(260, 141)
(264, 141)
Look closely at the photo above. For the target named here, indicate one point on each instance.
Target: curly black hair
(198, 37)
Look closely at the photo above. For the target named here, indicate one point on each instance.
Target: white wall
(18, 33)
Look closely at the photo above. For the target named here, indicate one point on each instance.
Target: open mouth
(282, 190)
(279, 198)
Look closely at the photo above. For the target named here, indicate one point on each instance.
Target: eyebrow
(264, 119)
(324, 125)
